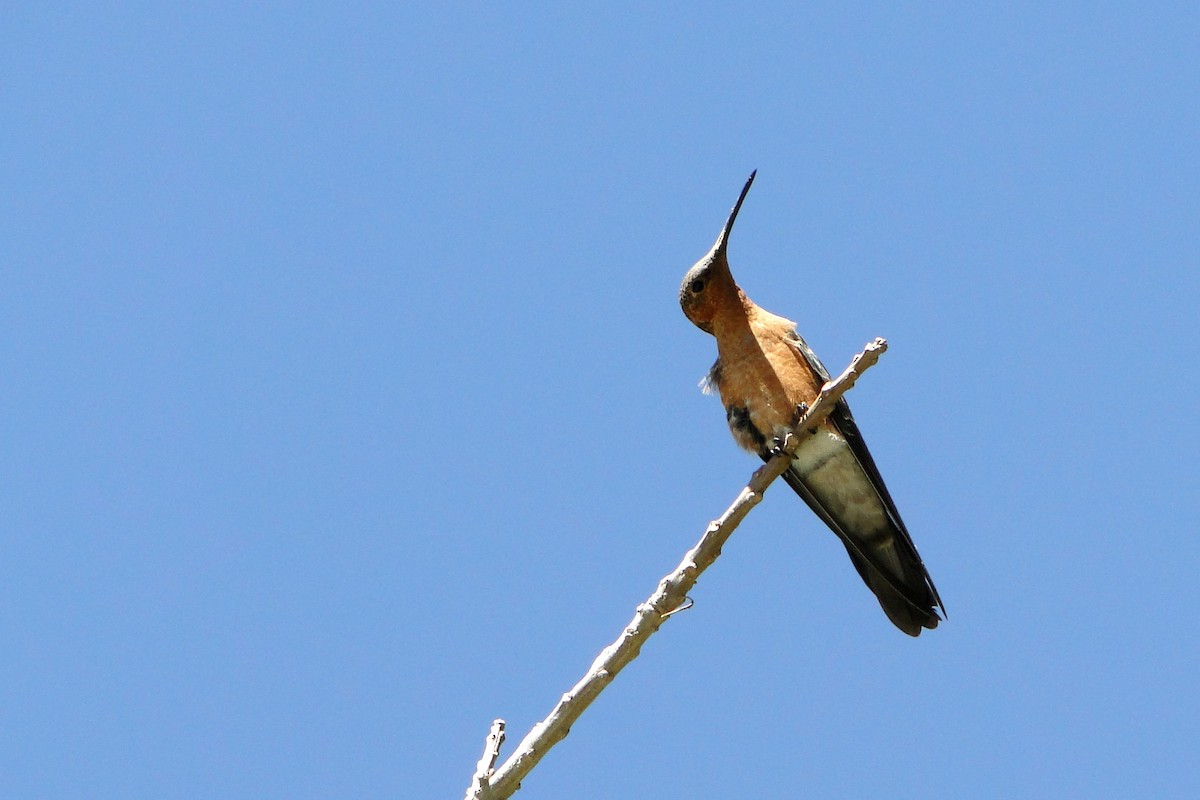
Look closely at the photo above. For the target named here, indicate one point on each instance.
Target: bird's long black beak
(723, 238)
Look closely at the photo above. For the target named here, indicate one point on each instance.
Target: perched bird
(766, 376)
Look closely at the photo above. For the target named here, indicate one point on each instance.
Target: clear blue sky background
(347, 403)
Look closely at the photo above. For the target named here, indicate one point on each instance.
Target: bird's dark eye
(697, 286)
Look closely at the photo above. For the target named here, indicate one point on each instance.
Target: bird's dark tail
(911, 611)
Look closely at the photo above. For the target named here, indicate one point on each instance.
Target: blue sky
(348, 404)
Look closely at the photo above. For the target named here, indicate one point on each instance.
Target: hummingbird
(766, 376)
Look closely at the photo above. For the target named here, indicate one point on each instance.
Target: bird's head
(708, 286)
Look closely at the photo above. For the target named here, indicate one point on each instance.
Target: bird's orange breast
(762, 372)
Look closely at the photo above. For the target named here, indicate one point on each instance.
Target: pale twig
(670, 595)
(481, 781)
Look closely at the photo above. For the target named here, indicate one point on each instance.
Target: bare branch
(670, 595)
(481, 788)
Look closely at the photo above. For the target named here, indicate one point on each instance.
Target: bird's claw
(779, 445)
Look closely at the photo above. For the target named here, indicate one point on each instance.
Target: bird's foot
(801, 410)
(779, 444)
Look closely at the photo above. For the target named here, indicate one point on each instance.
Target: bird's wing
(843, 420)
